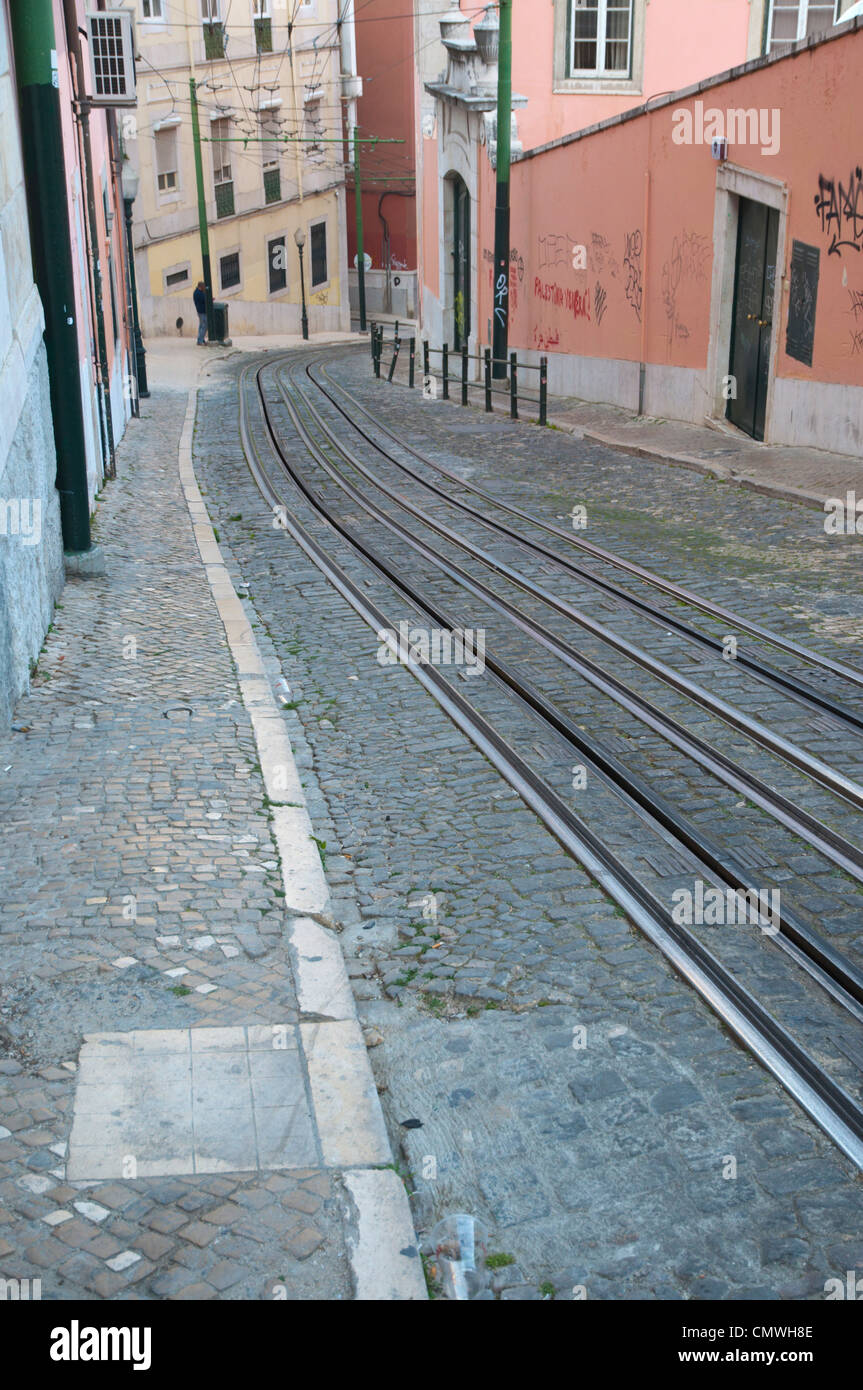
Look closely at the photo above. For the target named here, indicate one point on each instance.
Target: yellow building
(271, 80)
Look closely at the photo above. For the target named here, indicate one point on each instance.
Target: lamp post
(300, 239)
(130, 182)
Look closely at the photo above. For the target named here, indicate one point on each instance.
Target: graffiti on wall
(574, 301)
(632, 248)
(840, 208)
(555, 248)
(600, 302)
(856, 312)
(686, 267)
(602, 256)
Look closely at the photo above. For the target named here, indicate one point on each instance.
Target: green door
(461, 264)
(752, 315)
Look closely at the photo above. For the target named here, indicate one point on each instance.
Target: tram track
(811, 1084)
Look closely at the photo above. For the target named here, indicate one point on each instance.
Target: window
(313, 128)
(600, 39)
(152, 9)
(789, 21)
(229, 270)
(277, 263)
(175, 278)
(271, 157)
(318, 238)
(166, 161)
(220, 133)
(263, 26)
(214, 32)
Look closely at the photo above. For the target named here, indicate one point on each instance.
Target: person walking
(200, 298)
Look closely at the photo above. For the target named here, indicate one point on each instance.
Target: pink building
(653, 274)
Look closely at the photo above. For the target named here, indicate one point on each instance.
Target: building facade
(66, 392)
(269, 85)
(636, 244)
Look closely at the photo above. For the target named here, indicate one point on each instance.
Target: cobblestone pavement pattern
(542, 1065)
(139, 890)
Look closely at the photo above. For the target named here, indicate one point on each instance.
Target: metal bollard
(426, 360)
(396, 345)
(513, 386)
(373, 337)
(412, 362)
(446, 371)
(377, 353)
(543, 390)
(464, 360)
(488, 380)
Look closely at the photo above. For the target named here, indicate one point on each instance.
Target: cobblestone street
(606, 1168)
(172, 1125)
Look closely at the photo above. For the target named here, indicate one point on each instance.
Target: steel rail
(822, 837)
(828, 966)
(676, 591)
(826, 1102)
(815, 768)
(799, 689)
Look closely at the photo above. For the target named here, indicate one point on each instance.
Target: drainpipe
(45, 178)
(73, 42)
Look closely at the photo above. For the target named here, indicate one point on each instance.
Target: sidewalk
(808, 476)
(186, 1105)
(802, 475)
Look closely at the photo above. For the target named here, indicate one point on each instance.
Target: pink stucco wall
(653, 252)
(683, 43)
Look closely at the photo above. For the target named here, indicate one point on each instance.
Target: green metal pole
(202, 212)
(361, 250)
(45, 176)
(500, 339)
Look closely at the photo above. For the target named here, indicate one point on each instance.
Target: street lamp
(130, 182)
(300, 239)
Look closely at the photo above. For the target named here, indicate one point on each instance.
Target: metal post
(464, 373)
(378, 346)
(140, 350)
(35, 48)
(543, 390)
(372, 337)
(305, 317)
(412, 362)
(203, 230)
(488, 379)
(361, 250)
(426, 360)
(396, 345)
(513, 386)
(446, 371)
(500, 343)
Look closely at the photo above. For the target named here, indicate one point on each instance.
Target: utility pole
(500, 339)
(361, 250)
(35, 50)
(202, 212)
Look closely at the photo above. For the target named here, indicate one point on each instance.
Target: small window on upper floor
(789, 21)
(152, 9)
(600, 38)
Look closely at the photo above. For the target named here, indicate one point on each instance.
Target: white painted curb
(382, 1244)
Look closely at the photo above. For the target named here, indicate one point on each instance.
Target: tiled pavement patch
(201, 1100)
(227, 1235)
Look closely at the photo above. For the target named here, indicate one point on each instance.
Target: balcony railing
(264, 35)
(214, 41)
(272, 185)
(225, 199)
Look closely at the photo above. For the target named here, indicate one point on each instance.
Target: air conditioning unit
(112, 58)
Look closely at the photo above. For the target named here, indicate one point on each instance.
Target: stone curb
(382, 1245)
